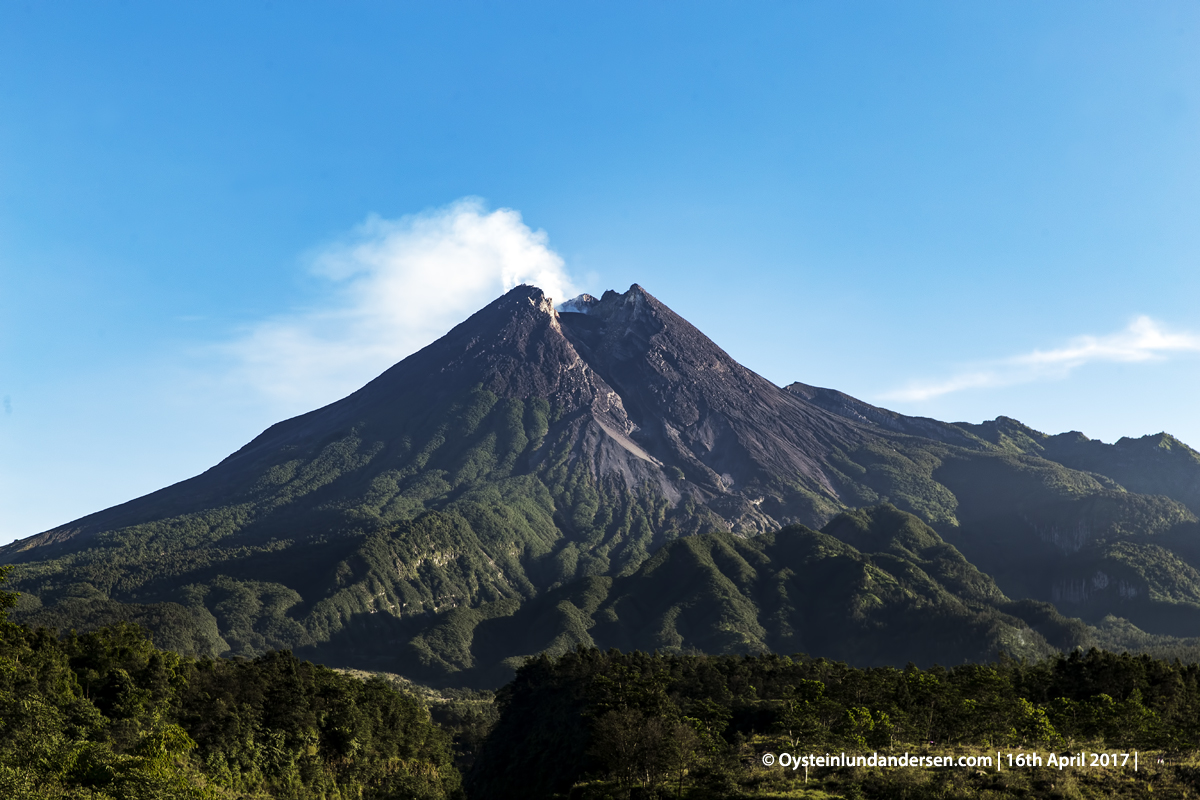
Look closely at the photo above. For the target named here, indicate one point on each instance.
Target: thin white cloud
(1143, 340)
(395, 286)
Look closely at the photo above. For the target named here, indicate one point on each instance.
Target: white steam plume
(396, 285)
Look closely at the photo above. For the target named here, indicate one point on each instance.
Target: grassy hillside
(422, 565)
(1042, 530)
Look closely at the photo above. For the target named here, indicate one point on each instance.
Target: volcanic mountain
(532, 461)
(631, 391)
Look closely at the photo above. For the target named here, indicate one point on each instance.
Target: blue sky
(214, 216)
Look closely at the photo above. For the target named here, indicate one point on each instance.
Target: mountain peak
(623, 385)
(525, 295)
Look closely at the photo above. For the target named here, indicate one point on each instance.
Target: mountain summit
(742, 444)
(637, 394)
(544, 468)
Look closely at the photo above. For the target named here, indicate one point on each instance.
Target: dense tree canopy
(635, 721)
(108, 715)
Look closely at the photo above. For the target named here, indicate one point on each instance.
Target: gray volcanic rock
(736, 437)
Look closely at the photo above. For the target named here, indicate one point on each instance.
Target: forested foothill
(108, 715)
(609, 725)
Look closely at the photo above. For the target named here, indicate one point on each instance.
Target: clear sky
(217, 215)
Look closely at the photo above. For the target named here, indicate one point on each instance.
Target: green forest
(107, 715)
(617, 725)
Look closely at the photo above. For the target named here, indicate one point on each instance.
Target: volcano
(638, 396)
(535, 453)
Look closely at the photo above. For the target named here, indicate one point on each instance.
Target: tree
(7, 599)
(1033, 726)
(800, 717)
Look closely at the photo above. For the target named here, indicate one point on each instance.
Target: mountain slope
(532, 451)
(874, 587)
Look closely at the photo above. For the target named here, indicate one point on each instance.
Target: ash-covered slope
(742, 445)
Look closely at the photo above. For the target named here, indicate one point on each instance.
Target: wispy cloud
(394, 286)
(1143, 340)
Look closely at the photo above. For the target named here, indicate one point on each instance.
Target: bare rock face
(648, 400)
(579, 305)
(733, 435)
